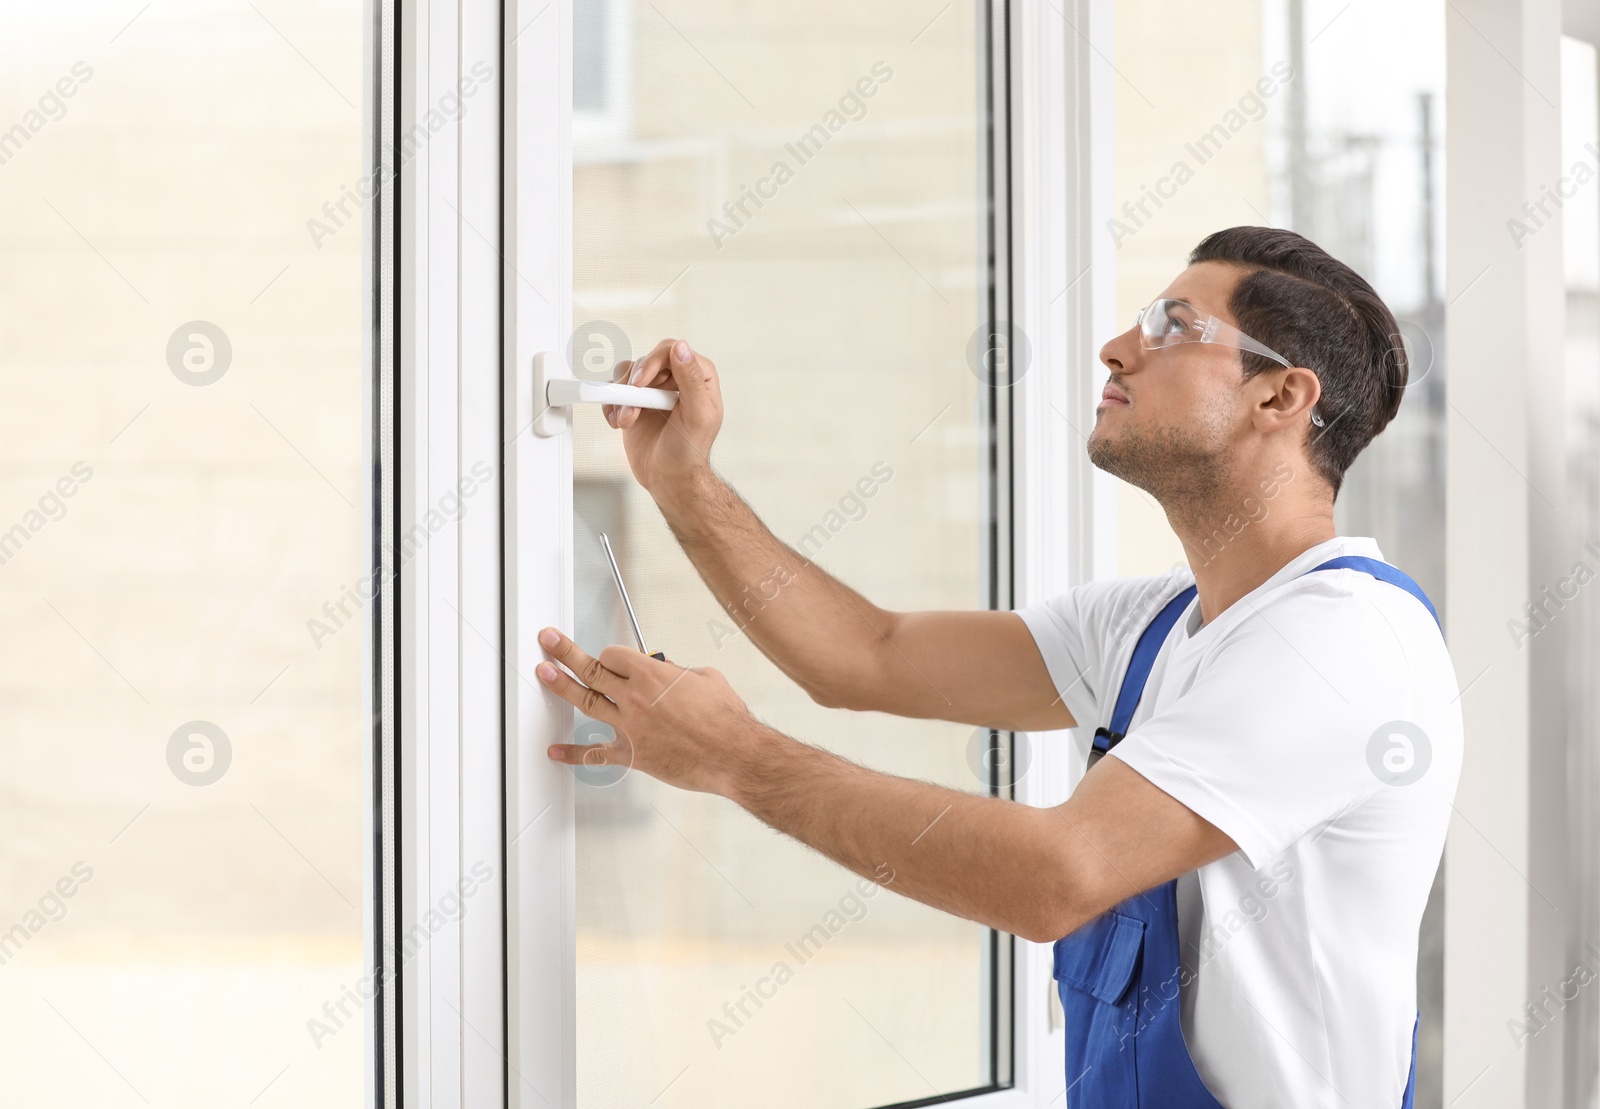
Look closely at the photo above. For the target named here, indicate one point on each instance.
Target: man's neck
(1229, 562)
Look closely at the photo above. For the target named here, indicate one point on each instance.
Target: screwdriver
(616, 572)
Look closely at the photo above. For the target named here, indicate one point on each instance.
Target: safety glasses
(1166, 323)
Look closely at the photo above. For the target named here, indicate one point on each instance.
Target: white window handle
(565, 392)
(555, 391)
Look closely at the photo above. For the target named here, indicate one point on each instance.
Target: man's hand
(667, 451)
(1036, 873)
(674, 724)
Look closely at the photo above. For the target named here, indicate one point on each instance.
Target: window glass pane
(1252, 118)
(802, 196)
(180, 482)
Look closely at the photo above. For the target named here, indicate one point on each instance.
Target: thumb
(685, 367)
(695, 378)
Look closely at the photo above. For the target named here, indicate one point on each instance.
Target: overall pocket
(1097, 971)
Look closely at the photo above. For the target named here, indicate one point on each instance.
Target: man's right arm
(975, 667)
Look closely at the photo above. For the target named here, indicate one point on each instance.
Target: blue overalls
(1118, 975)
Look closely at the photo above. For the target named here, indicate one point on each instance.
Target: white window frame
(487, 1007)
(1064, 298)
(448, 786)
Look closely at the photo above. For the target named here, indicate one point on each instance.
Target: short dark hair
(1318, 313)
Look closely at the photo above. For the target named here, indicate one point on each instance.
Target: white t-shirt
(1275, 722)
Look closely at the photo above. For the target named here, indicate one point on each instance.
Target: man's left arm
(1036, 873)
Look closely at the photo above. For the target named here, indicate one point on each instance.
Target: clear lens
(1166, 322)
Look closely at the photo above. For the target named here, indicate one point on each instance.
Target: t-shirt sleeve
(1084, 634)
(1271, 739)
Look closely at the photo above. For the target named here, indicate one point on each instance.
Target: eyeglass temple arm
(1217, 330)
(1215, 327)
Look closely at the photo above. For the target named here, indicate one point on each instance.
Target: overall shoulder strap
(1383, 572)
(1150, 641)
(1144, 657)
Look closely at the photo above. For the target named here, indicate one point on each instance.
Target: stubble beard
(1184, 467)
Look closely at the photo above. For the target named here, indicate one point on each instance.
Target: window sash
(485, 1010)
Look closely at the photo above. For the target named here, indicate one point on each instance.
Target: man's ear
(1296, 391)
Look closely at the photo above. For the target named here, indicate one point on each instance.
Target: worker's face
(1185, 408)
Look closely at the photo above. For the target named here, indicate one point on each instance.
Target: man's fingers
(652, 366)
(672, 363)
(620, 660)
(590, 697)
(589, 670)
(695, 375)
(590, 754)
(622, 372)
(581, 697)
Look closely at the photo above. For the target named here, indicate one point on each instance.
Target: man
(1234, 890)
